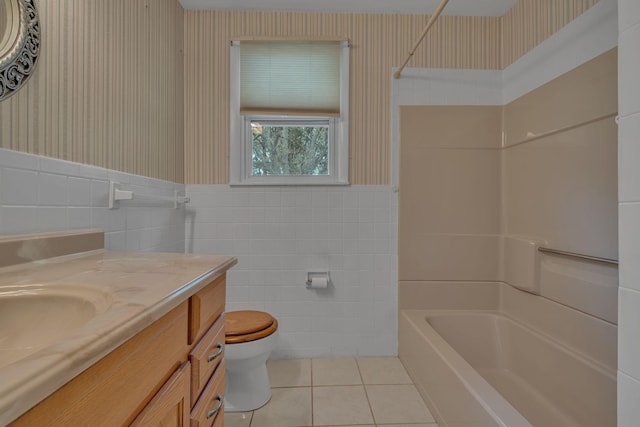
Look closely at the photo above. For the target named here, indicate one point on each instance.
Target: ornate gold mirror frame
(19, 44)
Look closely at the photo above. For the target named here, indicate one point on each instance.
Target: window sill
(287, 183)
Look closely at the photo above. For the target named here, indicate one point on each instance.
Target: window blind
(290, 77)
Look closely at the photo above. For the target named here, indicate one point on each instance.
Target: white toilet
(250, 337)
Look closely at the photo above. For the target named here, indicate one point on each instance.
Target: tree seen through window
(290, 149)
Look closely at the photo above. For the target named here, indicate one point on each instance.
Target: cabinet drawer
(209, 408)
(205, 357)
(205, 307)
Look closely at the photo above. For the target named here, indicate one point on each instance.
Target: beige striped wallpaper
(107, 90)
(379, 42)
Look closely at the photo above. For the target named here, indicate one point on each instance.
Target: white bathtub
(482, 368)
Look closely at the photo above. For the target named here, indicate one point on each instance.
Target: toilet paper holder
(318, 275)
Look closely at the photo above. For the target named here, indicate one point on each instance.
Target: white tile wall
(629, 322)
(629, 141)
(629, 95)
(628, 398)
(629, 14)
(629, 244)
(43, 194)
(628, 159)
(279, 234)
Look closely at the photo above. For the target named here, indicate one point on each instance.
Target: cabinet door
(170, 406)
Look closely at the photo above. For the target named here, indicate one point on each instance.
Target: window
(289, 112)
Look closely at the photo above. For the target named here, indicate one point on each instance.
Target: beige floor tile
(383, 370)
(335, 372)
(343, 405)
(407, 425)
(289, 373)
(397, 404)
(288, 407)
(237, 419)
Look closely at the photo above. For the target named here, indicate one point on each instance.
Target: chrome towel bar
(576, 255)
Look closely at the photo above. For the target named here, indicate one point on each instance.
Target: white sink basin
(33, 317)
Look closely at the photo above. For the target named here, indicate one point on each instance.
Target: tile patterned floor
(362, 392)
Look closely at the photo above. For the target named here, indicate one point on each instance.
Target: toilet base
(247, 382)
(247, 390)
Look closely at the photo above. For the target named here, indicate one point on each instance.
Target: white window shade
(290, 77)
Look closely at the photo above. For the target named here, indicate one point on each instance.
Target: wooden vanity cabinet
(150, 379)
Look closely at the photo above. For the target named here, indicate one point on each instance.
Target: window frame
(240, 141)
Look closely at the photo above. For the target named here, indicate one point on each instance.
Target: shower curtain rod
(432, 19)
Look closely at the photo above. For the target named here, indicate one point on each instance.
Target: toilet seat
(248, 325)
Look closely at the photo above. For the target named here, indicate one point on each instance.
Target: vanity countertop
(140, 288)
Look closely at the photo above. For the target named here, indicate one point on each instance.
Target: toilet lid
(248, 324)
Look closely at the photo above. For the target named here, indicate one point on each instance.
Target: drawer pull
(215, 410)
(212, 357)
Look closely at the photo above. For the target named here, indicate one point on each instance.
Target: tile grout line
(311, 382)
(373, 417)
